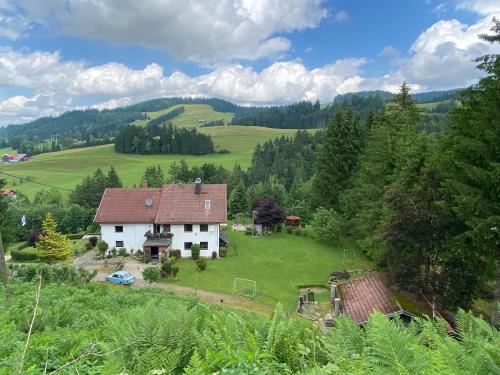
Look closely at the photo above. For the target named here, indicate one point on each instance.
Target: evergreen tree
(154, 176)
(471, 151)
(113, 181)
(337, 158)
(52, 245)
(238, 201)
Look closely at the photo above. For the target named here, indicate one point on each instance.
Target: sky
(59, 55)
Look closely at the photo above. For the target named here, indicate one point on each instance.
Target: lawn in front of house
(279, 263)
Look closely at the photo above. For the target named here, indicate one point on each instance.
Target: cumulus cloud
(389, 51)
(482, 7)
(209, 32)
(341, 16)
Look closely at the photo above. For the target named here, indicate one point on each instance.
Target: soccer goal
(244, 287)
(350, 255)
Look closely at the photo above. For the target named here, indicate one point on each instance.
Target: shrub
(122, 251)
(166, 269)
(279, 228)
(34, 237)
(113, 251)
(195, 251)
(88, 246)
(298, 232)
(224, 151)
(151, 274)
(23, 256)
(75, 236)
(93, 241)
(289, 230)
(202, 264)
(248, 231)
(102, 246)
(223, 252)
(214, 254)
(176, 253)
(175, 271)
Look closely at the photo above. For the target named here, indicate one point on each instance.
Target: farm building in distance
(8, 193)
(15, 158)
(158, 220)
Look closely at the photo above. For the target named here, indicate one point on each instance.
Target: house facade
(158, 220)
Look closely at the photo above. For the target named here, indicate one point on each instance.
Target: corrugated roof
(361, 297)
(126, 205)
(172, 204)
(179, 204)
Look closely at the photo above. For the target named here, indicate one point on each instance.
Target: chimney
(144, 184)
(197, 186)
(337, 307)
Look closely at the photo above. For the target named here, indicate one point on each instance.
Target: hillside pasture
(65, 169)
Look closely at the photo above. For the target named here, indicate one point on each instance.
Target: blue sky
(58, 55)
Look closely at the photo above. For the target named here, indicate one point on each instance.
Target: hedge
(23, 256)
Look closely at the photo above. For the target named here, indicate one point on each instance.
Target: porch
(156, 245)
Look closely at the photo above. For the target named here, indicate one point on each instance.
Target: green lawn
(66, 168)
(194, 115)
(279, 264)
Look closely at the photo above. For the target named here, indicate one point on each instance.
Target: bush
(248, 231)
(122, 251)
(93, 241)
(151, 274)
(23, 256)
(224, 151)
(88, 246)
(33, 238)
(166, 270)
(302, 224)
(175, 271)
(279, 228)
(176, 253)
(195, 251)
(102, 246)
(202, 264)
(54, 273)
(289, 230)
(223, 252)
(298, 232)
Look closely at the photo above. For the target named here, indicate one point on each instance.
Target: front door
(154, 252)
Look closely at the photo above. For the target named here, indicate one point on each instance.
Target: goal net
(244, 287)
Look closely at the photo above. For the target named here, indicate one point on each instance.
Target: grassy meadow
(280, 264)
(65, 169)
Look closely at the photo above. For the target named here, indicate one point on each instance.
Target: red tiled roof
(361, 297)
(179, 204)
(128, 206)
(172, 204)
(293, 217)
(7, 191)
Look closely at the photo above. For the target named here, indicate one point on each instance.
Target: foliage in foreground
(122, 330)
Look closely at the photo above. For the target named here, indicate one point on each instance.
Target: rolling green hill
(66, 168)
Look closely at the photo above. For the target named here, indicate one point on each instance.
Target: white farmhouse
(158, 220)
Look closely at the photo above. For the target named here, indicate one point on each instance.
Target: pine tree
(52, 246)
(337, 158)
(238, 201)
(471, 152)
(113, 181)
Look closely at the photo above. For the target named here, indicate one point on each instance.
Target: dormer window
(207, 204)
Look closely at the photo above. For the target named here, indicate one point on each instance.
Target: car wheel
(121, 283)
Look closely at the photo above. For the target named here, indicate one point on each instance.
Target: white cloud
(389, 51)
(209, 32)
(12, 27)
(482, 7)
(341, 16)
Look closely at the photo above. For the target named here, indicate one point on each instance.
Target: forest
(165, 139)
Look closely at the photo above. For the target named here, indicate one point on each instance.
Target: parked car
(121, 277)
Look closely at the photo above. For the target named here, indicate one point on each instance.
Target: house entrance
(155, 254)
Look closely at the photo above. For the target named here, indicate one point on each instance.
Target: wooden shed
(293, 221)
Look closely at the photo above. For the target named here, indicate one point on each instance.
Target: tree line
(163, 139)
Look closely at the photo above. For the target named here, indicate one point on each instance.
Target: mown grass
(279, 264)
(194, 115)
(65, 169)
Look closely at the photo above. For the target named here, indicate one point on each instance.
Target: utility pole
(3, 270)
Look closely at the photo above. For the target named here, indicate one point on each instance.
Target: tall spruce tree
(113, 181)
(471, 152)
(238, 201)
(337, 158)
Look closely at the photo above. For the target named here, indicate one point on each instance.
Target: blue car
(121, 278)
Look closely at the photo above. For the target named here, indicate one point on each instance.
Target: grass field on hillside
(66, 168)
(279, 264)
(194, 115)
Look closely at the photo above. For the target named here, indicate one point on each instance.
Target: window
(118, 228)
(203, 227)
(188, 227)
(119, 243)
(203, 245)
(166, 227)
(207, 204)
(188, 245)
